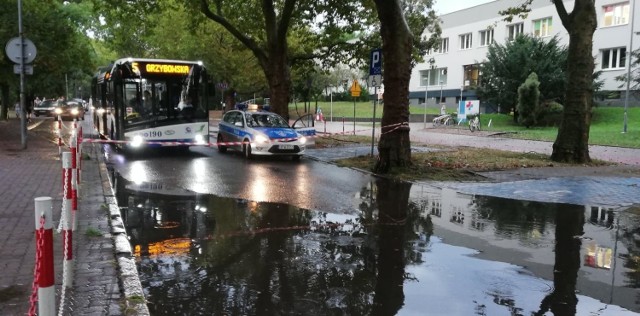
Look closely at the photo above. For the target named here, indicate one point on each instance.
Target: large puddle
(444, 253)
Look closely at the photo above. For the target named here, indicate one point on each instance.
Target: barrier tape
(393, 127)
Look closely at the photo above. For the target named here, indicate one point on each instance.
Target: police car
(259, 132)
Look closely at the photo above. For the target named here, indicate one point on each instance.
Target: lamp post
(426, 89)
(626, 97)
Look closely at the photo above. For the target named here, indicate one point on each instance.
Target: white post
(67, 220)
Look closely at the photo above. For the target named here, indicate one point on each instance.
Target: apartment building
(453, 71)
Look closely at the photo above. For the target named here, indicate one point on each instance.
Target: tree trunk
(5, 101)
(572, 142)
(278, 75)
(394, 146)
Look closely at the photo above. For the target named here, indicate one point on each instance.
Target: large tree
(394, 146)
(266, 28)
(572, 142)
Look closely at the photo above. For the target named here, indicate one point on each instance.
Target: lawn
(606, 125)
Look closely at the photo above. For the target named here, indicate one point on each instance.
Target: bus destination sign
(156, 68)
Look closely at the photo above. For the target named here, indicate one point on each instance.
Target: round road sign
(14, 50)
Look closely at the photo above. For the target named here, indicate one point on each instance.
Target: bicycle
(474, 124)
(445, 119)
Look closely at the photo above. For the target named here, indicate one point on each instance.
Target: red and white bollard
(79, 155)
(74, 178)
(66, 220)
(44, 263)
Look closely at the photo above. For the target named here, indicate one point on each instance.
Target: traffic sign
(14, 50)
(355, 89)
(28, 69)
(374, 81)
(375, 66)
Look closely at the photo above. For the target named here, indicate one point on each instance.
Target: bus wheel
(246, 149)
(222, 149)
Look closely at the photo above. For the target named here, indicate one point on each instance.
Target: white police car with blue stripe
(258, 132)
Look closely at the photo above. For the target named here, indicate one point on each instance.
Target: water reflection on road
(408, 251)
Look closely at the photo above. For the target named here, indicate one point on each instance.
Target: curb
(128, 277)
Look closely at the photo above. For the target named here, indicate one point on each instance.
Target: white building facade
(451, 72)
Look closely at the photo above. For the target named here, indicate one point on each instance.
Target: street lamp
(626, 97)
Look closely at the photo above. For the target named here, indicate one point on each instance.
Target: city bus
(143, 102)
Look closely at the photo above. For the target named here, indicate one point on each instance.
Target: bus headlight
(261, 139)
(199, 139)
(137, 141)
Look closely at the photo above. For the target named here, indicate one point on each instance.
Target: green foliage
(528, 100)
(508, 66)
(64, 58)
(549, 114)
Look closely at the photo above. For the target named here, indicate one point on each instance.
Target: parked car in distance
(46, 108)
(83, 102)
(70, 110)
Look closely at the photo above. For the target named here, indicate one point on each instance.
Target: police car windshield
(265, 120)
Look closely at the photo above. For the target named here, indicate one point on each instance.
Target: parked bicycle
(474, 123)
(445, 119)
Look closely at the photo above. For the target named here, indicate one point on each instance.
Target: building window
(471, 76)
(443, 48)
(542, 28)
(433, 77)
(486, 37)
(465, 41)
(514, 30)
(616, 14)
(614, 58)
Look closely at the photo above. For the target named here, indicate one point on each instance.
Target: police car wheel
(246, 150)
(222, 149)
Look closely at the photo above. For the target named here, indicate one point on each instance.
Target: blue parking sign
(375, 67)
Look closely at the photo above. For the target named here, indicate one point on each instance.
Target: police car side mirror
(239, 124)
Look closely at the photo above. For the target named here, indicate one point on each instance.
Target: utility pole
(23, 119)
(626, 97)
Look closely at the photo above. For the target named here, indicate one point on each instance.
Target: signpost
(355, 92)
(21, 51)
(375, 80)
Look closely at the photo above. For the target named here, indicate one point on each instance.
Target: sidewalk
(35, 172)
(463, 137)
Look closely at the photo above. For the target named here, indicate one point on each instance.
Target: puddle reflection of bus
(153, 100)
(161, 220)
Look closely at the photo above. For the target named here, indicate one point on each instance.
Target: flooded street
(403, 250)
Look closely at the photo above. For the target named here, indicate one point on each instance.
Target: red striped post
(67, 220)
(44, 244)
(74, 178)
(79, 154)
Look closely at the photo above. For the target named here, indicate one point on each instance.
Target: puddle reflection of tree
(569, 225)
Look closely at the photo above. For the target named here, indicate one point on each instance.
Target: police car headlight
(261, 139)
(136, 141)
(302, 139)
(199, 139)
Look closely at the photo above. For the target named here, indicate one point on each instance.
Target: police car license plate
(285, 147)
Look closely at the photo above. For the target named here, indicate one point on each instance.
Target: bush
(550, 114)
(528, 100)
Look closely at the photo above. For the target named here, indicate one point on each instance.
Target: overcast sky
(448, 6)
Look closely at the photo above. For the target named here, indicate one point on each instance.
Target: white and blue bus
(152, 103)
